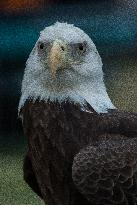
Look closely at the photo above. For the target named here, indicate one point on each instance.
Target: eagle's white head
(65, 65)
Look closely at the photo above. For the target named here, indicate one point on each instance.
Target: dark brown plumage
(101, 148)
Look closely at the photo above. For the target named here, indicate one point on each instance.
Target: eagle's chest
(64, 126)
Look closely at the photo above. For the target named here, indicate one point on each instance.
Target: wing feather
(107, 172)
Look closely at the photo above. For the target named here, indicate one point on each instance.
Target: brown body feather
(56, 134)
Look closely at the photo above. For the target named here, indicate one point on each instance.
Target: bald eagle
(81, 149)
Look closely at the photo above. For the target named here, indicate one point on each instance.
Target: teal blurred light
(114, 30)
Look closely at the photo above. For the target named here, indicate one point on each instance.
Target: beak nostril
(62, 48)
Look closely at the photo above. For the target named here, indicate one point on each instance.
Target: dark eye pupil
(81, 47)
(41, 45)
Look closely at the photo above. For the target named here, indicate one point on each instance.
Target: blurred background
(112, 24)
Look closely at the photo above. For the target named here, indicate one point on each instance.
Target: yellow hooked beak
(57, 56)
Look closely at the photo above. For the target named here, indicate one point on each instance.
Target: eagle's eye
(41, 46)
(82, 47)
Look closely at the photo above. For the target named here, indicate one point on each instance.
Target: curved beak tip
(56, 57)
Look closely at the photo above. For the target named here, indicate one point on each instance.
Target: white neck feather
(93, 93)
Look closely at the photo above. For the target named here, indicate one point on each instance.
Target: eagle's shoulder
(120, 121)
